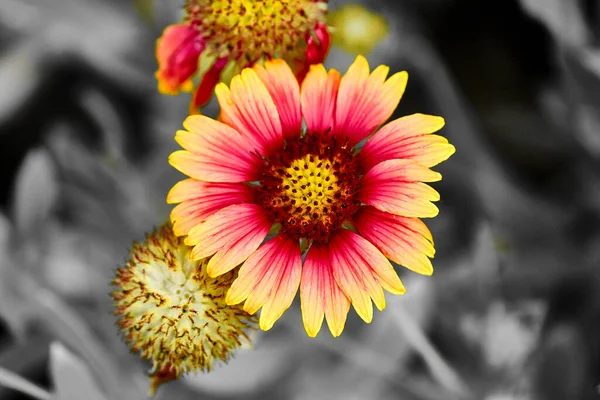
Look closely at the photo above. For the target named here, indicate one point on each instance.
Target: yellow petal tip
(365, 315)
(210, 271)
(451, 149)
(311, 333)
(441, 121)
(266, 325)
(230, 300)
(336, 333)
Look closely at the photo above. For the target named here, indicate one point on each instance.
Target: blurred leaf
(485, 252)
(507, 341)
(5, 234)
(114, 202)
(506, 396)
(15, 310)
(72, 378)
(16, 382)
(70, 328)
(71, 264)
(337, 384)
(582, 70)
(563, 18)
(105, 114)
(565, 21)
(385, 335)
(560, 369)
(21, 72)
(444, 374)
(249, 370)
(106, 36)
(35, 191)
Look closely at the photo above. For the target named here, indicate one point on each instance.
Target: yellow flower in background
(355, 29)
(217, 39)
(145, 8)
(172, 312)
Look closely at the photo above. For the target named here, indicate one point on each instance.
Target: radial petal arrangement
(336, 213)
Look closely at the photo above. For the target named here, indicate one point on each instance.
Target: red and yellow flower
(227, 36)
(334, 212)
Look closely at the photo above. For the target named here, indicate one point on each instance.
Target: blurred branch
(443, 373)
(112, 128)
(71, 376)
(106, 37)
(501, 197)
(563, 18)
(373, 362)
(18, 383)
(69, 328)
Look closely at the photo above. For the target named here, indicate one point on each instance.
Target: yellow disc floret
(172, 312)
(250, 30)
(309, 186)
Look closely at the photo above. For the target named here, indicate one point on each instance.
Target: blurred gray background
(513, 309)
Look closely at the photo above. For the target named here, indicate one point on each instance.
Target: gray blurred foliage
(512, 311)
(71, 376)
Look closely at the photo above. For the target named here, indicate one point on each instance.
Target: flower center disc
(252, 29)
(309, 186)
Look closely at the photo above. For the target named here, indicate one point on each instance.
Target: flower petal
(287, 286)
(235, 253)
(366, 101)
(372, 258)
(320, 294)
(187, 215)
(406, 241)
(249, 108)
(316, 51)
(395, 186)
(318, 97)
(361, 271)
(201, 199)
(285, 92)
(408, 138)
(177, 53)
(216, 152)
(207, 84)
(269, 279)
(318, 43)
(233, 233)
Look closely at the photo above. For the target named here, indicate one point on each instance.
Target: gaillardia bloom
(234, 34)
(260, 171)
(172, 312)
